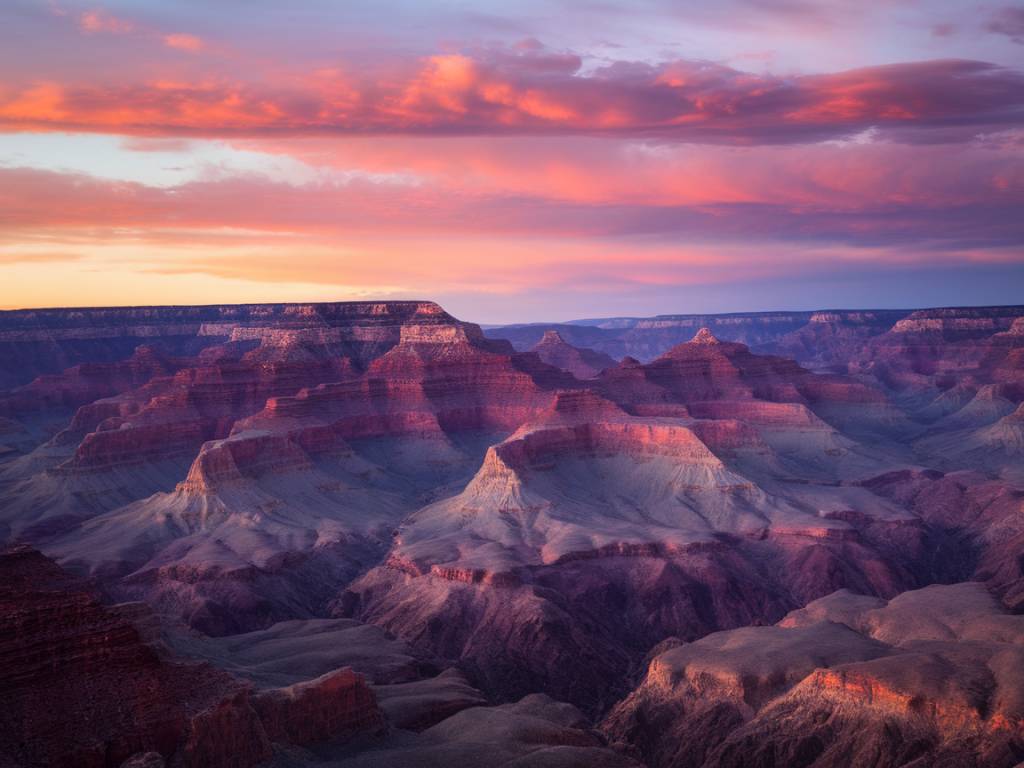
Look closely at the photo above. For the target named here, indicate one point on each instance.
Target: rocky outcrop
(708, 369)
(335, 705)
(580, 362)
(931, 350)
(224, 463)
(704, 368)
(931, 678)
(83, 688)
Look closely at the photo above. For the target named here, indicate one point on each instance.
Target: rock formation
(581, 363)
(82, 688)
(933, 677)
(679, 517)
(370, 520)
(85, 686)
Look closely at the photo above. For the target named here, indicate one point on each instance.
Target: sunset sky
(514, 161)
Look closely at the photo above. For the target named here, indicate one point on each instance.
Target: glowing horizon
(548, 163)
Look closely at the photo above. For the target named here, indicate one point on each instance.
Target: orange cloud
(40, 104)
(457, 85)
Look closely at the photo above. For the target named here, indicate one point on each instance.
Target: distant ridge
(810, 336)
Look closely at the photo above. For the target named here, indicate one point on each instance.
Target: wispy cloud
(1008, 21)
(98, 20)
(184, 42)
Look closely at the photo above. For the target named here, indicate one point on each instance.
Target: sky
(528, 161)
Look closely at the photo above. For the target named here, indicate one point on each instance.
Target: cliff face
(335, 705)
(47, 341)
(82, 688)
(929, 347)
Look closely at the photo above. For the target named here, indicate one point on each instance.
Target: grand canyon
(371, 534)
(488, 384)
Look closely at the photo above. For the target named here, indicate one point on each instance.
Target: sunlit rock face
(933, 677)
(377, 509)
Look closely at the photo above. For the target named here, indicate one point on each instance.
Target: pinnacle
(704, 336)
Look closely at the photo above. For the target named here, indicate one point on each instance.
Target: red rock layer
(226, 462)
(87, 382)
(47, 341)
(82, 689)
(175, 415)
(930, 348)
(336, 705)
(424, 387)
(707, 369)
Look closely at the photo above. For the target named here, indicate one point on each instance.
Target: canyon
(370, 533)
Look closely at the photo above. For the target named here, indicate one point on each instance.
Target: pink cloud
(100, 21)
(493, 237)
(525, 91)
(603, 171)
(859, 195)
(184, 42)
